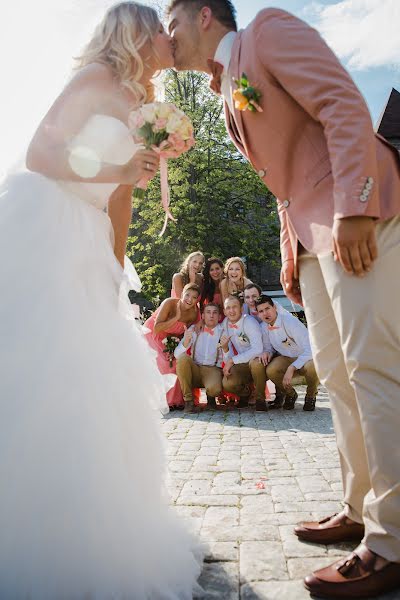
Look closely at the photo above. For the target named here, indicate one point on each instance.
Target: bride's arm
(91, 91)
(120, 213)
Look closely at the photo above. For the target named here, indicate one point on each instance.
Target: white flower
(148, 112)
(174, 122)
(164, 341)
(164, 110)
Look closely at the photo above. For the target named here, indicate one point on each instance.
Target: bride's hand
(142, 167)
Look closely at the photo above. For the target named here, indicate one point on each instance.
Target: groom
(338, 191)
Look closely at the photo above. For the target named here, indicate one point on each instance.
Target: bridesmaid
(172, 317)
(235, 277)
(190, 272)
(213, 276)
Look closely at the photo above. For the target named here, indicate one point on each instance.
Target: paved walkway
(244, 479)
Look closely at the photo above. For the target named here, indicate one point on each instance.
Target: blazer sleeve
(286, 247)
(300, 62)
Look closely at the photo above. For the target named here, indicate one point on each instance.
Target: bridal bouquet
(171, 342)
(167, 130)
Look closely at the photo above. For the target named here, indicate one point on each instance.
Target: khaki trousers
(191, 376)
(277, 369)
(354, 326)
(243, 374)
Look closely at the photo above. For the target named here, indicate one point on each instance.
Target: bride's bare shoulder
(94, 76)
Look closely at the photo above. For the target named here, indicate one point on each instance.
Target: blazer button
(286, 203)
(262, 173)
(364, 197)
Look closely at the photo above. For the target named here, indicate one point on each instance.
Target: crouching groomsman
(283, 334)
(199, 359)
(242, 345)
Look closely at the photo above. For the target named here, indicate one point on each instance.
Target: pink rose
(160, 124)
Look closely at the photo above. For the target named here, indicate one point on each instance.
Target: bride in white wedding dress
(83, 512)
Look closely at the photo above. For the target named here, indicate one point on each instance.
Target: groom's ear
(206, 16)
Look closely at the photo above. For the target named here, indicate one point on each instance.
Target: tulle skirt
(83, 512)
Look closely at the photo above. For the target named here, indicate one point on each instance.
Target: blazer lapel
(237, 117)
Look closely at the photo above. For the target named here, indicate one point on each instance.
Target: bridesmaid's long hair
(124, 30)
(184, 270)
(209, 283)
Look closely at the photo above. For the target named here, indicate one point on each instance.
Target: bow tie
(208, 330)
(272, 327)
(216, 73)
(233, 326)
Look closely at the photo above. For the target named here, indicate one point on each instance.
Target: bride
(83, 512)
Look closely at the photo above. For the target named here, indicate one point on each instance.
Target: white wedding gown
(83, 512)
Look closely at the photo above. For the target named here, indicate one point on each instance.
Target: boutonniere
(246, 96)
(243, 338)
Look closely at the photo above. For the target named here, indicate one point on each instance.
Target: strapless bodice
(102, 139)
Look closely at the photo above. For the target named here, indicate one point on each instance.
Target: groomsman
(284, 334)
(199, 359)
(242, 345)
(250, 294)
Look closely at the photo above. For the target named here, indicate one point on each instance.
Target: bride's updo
(124, 30)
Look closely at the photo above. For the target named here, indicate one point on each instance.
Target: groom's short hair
(222, 10)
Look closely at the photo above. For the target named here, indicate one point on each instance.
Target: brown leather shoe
(357, 576)
(330, 530)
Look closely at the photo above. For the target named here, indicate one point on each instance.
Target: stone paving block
(274, 590)
(222, 552)
(210, 500)
(251, 504)
(262, 561)
(179, 465)
(224, 516)
(313, 483)
(321, 508)
(240, 533)
(300, 567)
(294, 548)
(196, 486)
(208, 451)
(281, 493)
(318, 496)
(220, 580)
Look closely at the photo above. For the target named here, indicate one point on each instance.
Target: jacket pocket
(319, 171)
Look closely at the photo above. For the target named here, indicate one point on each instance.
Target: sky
(38, 40)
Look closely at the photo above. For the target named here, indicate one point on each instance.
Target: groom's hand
(354, 244)
(290, 284)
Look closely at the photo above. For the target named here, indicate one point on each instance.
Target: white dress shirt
(205, 348)
(246, 339)
(289, 337)
(223, 57)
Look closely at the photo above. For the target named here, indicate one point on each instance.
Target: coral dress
(174, 395)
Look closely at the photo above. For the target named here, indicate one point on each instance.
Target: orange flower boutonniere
(246, 97)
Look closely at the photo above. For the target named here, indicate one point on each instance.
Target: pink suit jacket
(313, 145)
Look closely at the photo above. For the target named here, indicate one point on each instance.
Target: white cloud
(364, 33)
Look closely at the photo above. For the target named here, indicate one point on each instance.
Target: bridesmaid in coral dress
(213, 275)
(190, 272)
(172, 317)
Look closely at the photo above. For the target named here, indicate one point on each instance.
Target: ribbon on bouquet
(165, 197)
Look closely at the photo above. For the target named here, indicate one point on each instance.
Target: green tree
(221, 205)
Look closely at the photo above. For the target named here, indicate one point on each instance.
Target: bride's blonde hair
(124, 30)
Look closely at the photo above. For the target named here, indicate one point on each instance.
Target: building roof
(389, 122)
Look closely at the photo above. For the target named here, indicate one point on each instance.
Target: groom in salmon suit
(305, 128)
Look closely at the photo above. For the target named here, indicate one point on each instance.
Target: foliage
(221, 205)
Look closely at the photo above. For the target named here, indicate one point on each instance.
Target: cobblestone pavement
(243, 479)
